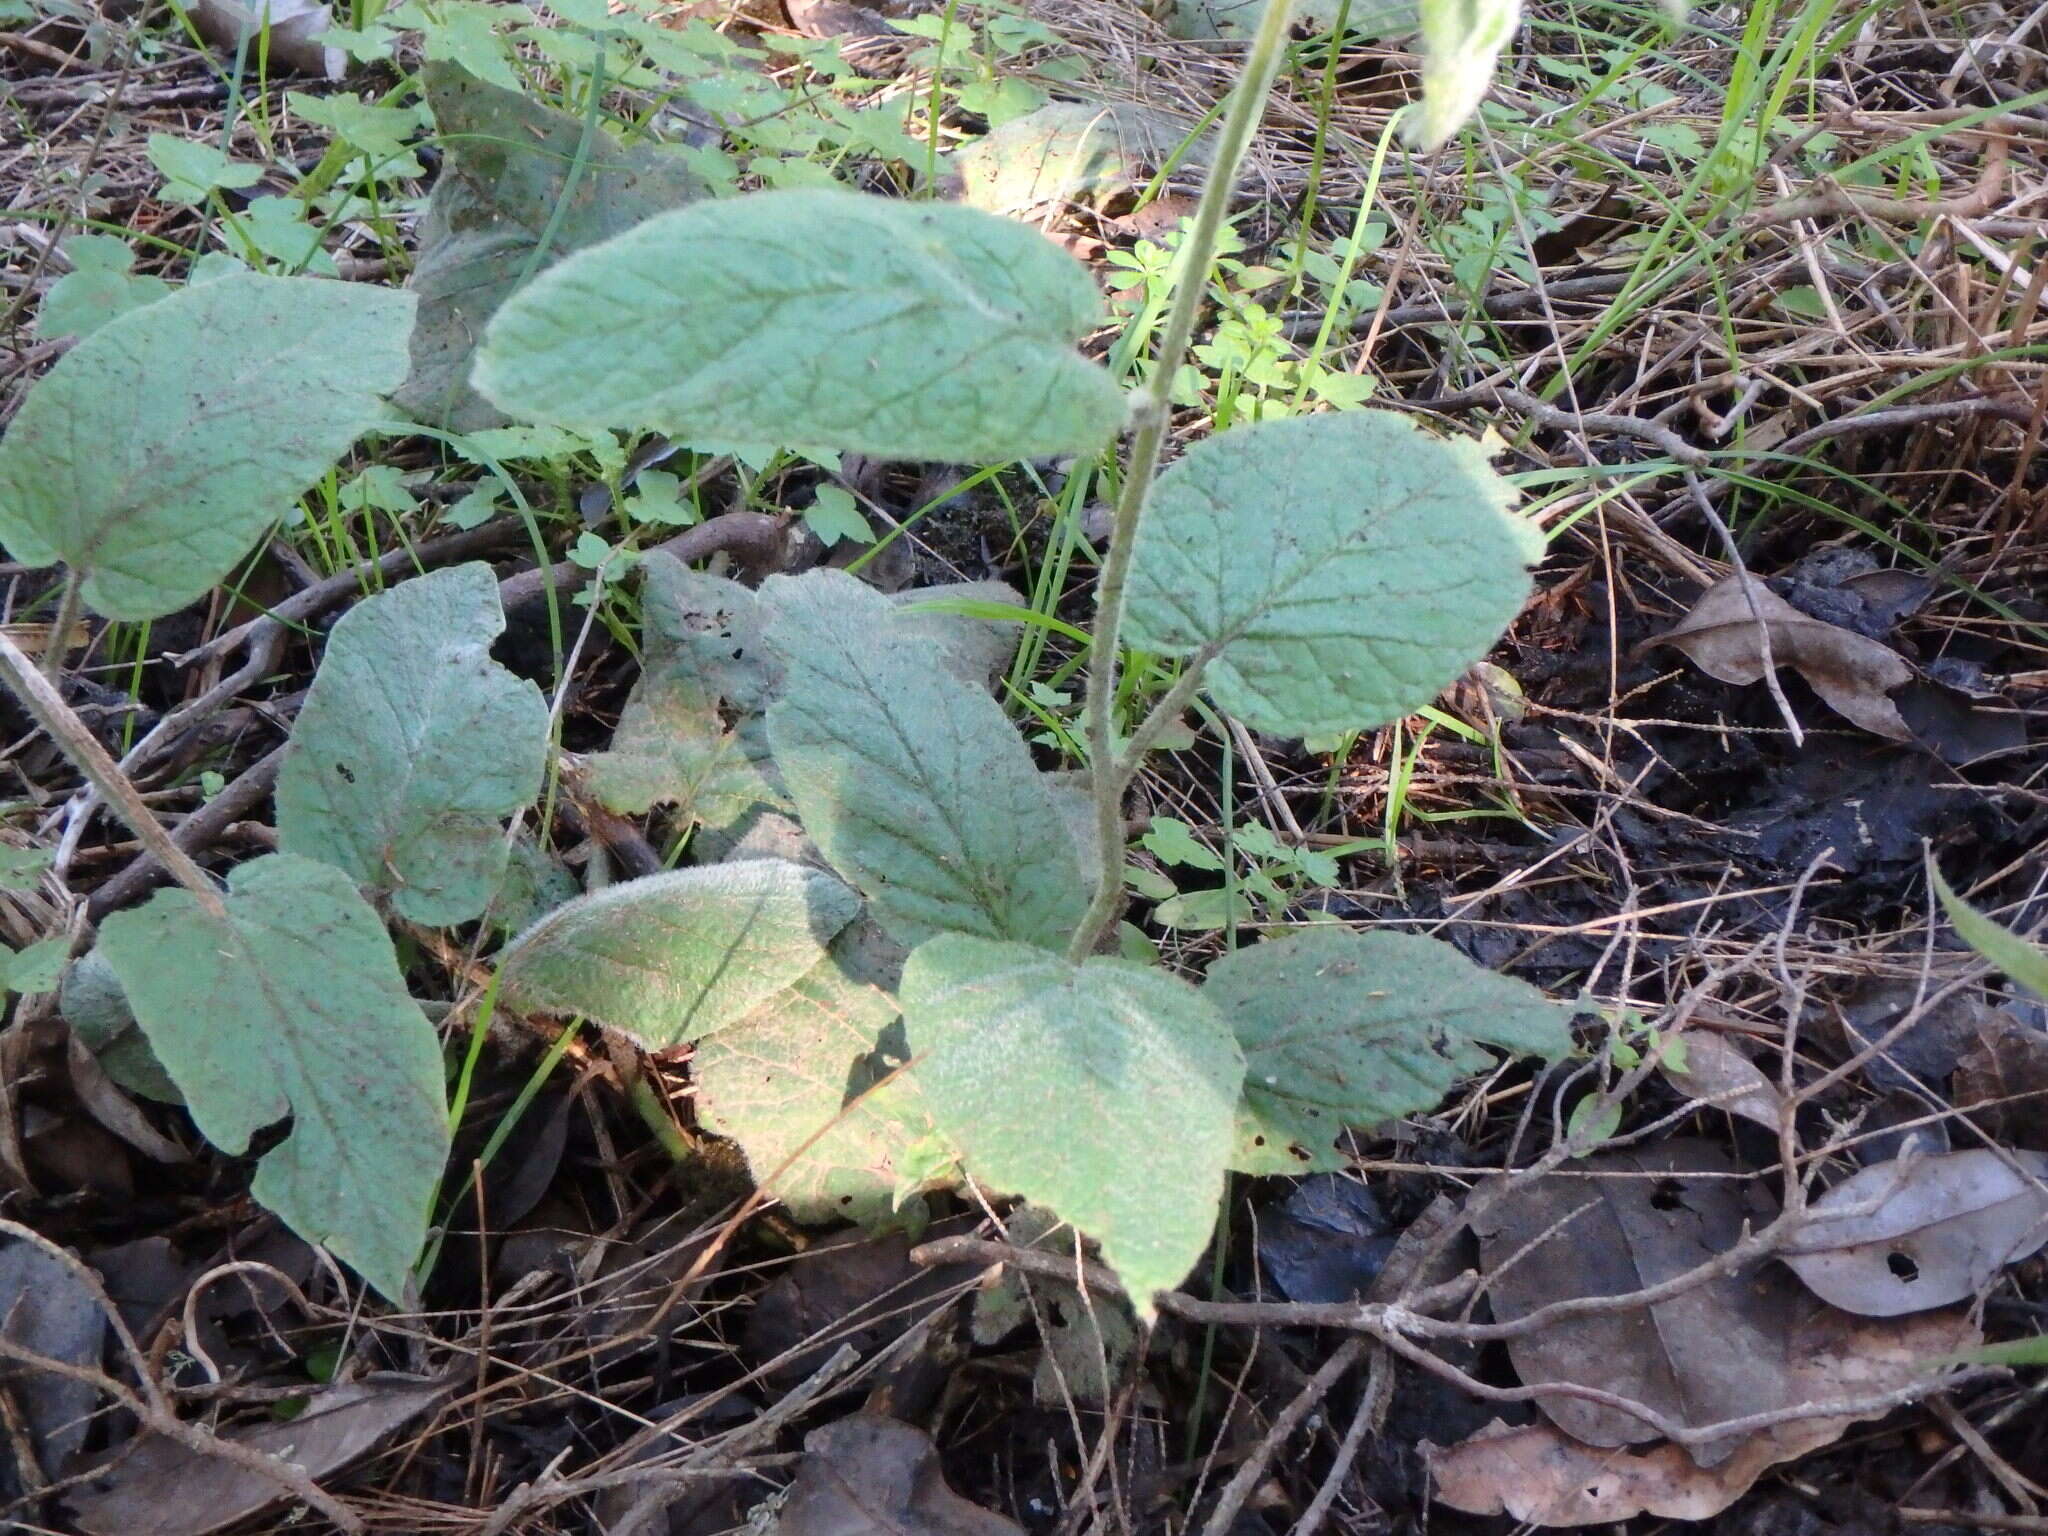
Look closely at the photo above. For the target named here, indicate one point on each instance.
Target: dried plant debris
(1726, 633)
(873, 1476)
(165, 1488)
(2001, 1081)
(1616, 1223)
(1717, 1072)
(1539, 1474)
(1917, 1233)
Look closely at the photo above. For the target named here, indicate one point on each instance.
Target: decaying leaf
(1852, 673)
(1072, 152)
(2002, 1081)
(46, 1310)
(1916, 1233)
(1086, 1339)
(503, 187)
(1618, 1222)
(868, 1475)
(289, 30)
(163, 1488)
(1718, 1072)
(1539, 1474)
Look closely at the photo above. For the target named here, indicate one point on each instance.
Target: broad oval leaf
(292, 1004)
(1340, 569)
(804, 1084)
(1103, 1090)
(515, 172)
(815, 317)
(669, 958)
(159, 447)
(911, 781)
(1341, 1028)
(414, 746)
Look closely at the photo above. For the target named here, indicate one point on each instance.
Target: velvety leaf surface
(1104, 1091)
(160, 446)
(672, 745)
(817, 318)
(808, 1060)
(1341, 1028)
(913, 783)
(1342, 568)
(669, 958)
(292, 1004)
(414, 746)
(507, 169)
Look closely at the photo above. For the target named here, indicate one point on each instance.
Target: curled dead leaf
(293, 29)
(1916, 1233)
(869, 1475)
(1717, 1072)
(1539, 1474)
(1853, 674)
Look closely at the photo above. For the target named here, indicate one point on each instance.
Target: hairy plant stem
(1150, 409)
(40, 697)
(58, 645)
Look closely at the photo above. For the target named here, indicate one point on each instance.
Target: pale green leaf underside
(414, 746)
(508, 169)
(292, 1004)
(1341, 1028)
(1347, 566)
(817, 317)
(799, 1085)
(1104, 1091)
(911, 781)
(669, 958)
(159, 447)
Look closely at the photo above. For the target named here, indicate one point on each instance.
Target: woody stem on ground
(40, 697)
(1150, 408)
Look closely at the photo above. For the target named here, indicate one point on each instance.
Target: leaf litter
(1965, 841)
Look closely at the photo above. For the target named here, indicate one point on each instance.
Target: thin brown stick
(1832, 200)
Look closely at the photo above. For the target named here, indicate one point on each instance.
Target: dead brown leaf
(163, 1488)
(869, 1475)
(293, 28)
(2002, 1081)
(1538, 1474)
(1717, 1071)
(1618, 1222)
(1915, 1233)
(1854, 675)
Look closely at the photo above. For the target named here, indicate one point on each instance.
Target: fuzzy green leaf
(1104, 1091)
(800, 1085)
(159, 447)
(911, 781)
(1342, 569)
(669, 958)
(509, 169)
(818, 318)
(292, 1004)
(2025, 962)
(414, 746)
(1342, 1028)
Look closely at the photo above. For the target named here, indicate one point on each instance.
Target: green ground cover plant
(918, 983)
